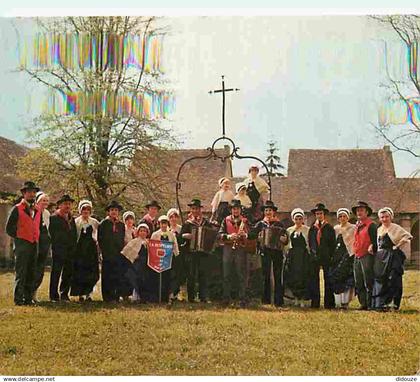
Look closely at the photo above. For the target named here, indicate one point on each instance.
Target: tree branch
(392, 142)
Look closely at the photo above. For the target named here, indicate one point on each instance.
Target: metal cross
(223, 91)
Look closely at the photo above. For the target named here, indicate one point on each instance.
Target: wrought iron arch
(213, 154)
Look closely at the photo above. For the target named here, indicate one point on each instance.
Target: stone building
(338, 178)
(198, 178)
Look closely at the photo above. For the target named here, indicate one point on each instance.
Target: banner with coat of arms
(160, 255)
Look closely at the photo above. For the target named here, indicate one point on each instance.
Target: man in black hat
(364, 248)
(196, 261)
(234, 232)
(63, 234)
(23, 225)
(151, 217)
(270, 257)
(321, 239)
(111, 234)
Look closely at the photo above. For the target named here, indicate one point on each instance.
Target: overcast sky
(307, 82)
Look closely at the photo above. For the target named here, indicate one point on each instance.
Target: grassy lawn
(100, 339)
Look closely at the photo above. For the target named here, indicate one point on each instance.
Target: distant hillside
(10, 152)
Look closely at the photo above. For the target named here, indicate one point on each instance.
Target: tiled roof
(199, 177)
(339, 178)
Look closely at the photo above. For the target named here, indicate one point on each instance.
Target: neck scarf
(319, 226)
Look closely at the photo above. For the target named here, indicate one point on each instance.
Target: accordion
(270, 238)
(203, 239)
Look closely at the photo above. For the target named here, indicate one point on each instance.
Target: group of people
(361, 259)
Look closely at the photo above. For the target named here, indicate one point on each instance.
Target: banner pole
(160, 287)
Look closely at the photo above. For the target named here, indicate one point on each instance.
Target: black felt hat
(235, 203)
(114, 204)
(153, 203)
(29, 186)
(364, 205)
(269, 204)
(65, 198)
(195, 203)
(320, 207)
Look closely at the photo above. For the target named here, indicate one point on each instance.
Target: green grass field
(185, 339)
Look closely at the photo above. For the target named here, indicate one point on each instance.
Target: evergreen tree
(273, 160)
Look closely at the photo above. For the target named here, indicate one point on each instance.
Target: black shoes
(25, 303)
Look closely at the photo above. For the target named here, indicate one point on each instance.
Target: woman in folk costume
(178, 276)
(162, 234)
(86, 262)
(388, 266)
(111, 234)
(246, 203)
(341, 270)
(298, 262)
(44, 243)
(136, 252)
(256, 187)
(221, 200)
(129, 219)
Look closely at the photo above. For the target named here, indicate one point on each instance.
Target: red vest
(231, 226)
(362, 239)
(27, 227)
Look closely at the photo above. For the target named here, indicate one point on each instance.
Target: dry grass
(100, 339)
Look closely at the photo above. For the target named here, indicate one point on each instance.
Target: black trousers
(25, 262)
(197, 268)
(110, 279)
(234, 259)
(178, 273)
(125, 288)
(363, 277)
(43, 250)
(272, 258)
(62, 266)
(315, 292)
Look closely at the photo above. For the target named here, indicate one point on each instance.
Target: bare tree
(404, 90)
(91, 152)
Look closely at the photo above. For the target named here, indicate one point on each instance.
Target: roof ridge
(357, 150)
(202, 149)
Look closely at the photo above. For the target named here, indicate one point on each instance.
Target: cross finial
(223, 91)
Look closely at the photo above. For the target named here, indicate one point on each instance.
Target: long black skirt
(341, 270)
(86, 268)
(297, 270)
(388, 268)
